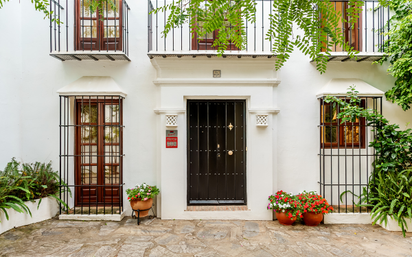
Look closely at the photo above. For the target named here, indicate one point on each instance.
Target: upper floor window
(206, 39)
(205, 42)
(337, 135)
(99, 28)
(352, 32)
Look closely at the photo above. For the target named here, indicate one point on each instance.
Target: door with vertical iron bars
(216, 150)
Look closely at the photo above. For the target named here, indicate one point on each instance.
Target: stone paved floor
(157, 237)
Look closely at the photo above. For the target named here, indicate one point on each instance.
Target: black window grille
(91, 154)
(346, 160)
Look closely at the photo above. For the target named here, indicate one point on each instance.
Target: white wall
(281, 156)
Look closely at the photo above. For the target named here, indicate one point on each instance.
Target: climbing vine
(398, 51)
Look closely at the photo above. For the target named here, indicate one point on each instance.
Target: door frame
(214, 99)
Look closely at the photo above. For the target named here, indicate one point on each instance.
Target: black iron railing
(366, 35)
(76, 27)
(91, 154)
(346, 161)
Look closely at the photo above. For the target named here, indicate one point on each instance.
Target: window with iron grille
(346, 161)
(93, 168)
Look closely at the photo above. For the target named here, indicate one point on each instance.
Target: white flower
(141, 190)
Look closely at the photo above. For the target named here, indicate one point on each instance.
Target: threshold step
(217, 208)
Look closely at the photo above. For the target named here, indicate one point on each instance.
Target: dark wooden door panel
(216, 152)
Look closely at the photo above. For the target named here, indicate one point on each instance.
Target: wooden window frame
(340, 129)
(100, 42)
(357, 44)
(109, 194)
(202, 43)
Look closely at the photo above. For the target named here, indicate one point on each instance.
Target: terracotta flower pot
(138, 204)
(284, 219)
(312, 219)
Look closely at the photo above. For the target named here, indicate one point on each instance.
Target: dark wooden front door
(216, 168)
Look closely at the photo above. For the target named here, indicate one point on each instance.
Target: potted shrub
(141, 198)
(314, 206)
(286, 206)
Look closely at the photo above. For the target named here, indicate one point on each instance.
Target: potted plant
(141, 198)
(286, 206)
(314, 206)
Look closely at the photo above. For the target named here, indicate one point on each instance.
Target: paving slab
(200, 238)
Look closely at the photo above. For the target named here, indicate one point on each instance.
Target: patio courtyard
(156, 237)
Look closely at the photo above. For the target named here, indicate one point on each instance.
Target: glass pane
(87, 9)
(89, 175)
(330, 135)
(352, 134)
(201, 31)
(89, 134)
(330, 113)
(112, 31)
(112, 153)
(228, 26)
(89, 113)
(111, 134)
(111, 10)
(87, 26)
(89, 154)
(111, 114)
(111, 174)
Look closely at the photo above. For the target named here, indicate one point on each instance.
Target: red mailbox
(171, 138)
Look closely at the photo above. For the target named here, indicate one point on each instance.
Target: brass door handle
(230, 152)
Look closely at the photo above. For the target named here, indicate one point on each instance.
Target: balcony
(365, 36)
(99, 34)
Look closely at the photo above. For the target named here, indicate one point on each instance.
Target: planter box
(392, 225)
(47, 209)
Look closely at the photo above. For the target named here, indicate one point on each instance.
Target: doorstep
(217, 208)
(108, 217)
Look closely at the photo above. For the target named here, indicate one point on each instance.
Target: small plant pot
(284, 219)
(312, 219)
(138, 204)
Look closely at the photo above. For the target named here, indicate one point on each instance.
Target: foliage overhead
(39, 5)
(317, 33)
(398, 51)
(93, 5)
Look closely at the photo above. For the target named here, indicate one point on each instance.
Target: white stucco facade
(280, 156)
